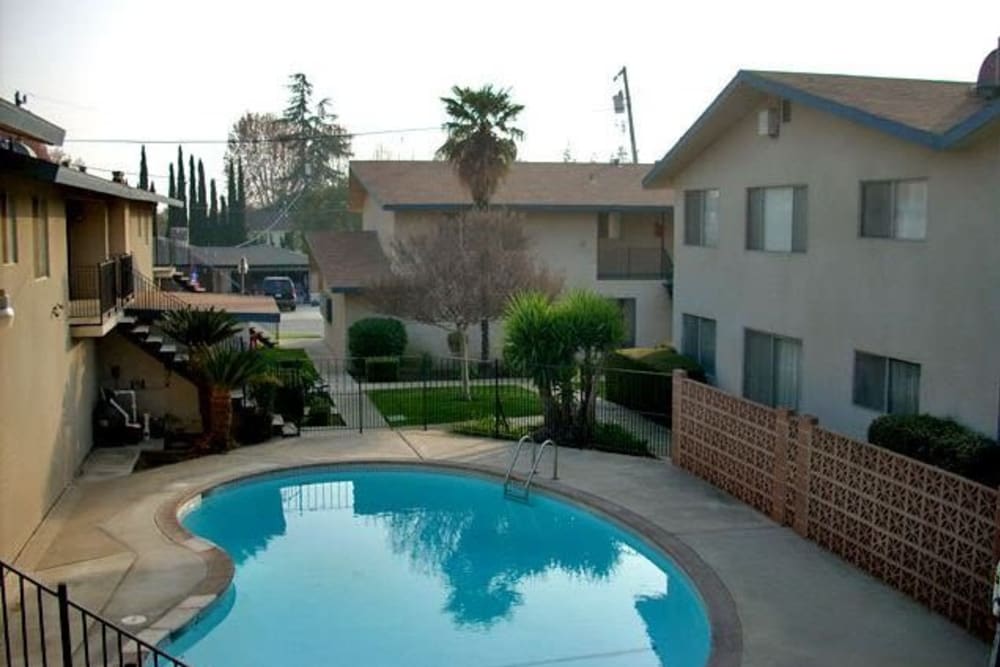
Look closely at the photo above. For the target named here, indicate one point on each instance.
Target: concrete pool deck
(797, 604)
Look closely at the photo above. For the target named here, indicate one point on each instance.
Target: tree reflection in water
(483, 555)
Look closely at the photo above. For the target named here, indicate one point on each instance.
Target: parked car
(282, 289)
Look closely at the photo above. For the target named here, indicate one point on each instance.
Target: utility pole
(623, 73)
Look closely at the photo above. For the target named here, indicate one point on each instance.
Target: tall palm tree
(481, 145)
(482, 142)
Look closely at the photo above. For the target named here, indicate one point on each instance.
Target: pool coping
(724, 620)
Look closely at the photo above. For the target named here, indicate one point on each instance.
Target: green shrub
(639, 379)
(943, 443)
(376, 337)
(484, 427)
(614, 438)
(320, 412)
(382, 369)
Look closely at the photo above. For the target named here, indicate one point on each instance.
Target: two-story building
(593, 225)
(839, 251)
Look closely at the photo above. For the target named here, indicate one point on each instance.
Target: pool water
(398, 567)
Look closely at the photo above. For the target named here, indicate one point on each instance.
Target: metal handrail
(99, 641)
(537, 452)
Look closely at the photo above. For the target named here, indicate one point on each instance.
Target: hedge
(376, 337)
(639, 379)
(943, 443)
(382, 369)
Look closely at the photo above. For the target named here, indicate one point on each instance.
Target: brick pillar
(676, 438)
(782, 417)
(807, 427)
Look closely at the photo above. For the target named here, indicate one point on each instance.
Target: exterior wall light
(6, 310)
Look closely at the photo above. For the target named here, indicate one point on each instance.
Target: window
(627, 308)
(701, 217)
(328, 310)
(8, 220)
(40, 227)
(894, 209)
(609, 225)
(776, 219)
(771, 369)
(886, 385)
(698, 341)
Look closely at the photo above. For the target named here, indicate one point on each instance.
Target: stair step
(181, 357)
(127, 320)
(168, 349)
(141, 330)
(277, 421)
(154, 340)
(289, 431)
(198, 288)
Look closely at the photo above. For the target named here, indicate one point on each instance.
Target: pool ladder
(513, 488)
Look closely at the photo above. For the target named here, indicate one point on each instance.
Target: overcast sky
(186, 70)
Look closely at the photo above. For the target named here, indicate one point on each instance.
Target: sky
(182, 70)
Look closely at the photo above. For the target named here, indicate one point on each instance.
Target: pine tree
(181, 219)
(213, 226)
(143, 170)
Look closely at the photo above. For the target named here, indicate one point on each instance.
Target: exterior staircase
(187, 283)
(142, 332)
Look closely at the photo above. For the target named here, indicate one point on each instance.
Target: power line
(283, 139)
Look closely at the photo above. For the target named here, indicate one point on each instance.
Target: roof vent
(988, 83)
(118, 177)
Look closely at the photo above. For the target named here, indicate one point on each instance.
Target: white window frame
(782, 236)
(894, 221)
(705, 231)
(885, 404)
(775, 375)
(695, 349)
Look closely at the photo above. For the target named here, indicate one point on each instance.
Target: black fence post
(423, 392)
(361, 413)
(496, 403)
(64, 635)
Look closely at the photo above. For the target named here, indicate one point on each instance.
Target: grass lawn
(290, 358)
(445, 405)
(298, 335)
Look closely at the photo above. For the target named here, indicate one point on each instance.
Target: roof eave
(551, 208)
(29, 125)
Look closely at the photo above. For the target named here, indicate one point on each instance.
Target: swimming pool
(384, 566)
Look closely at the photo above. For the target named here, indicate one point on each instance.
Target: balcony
(621, 262)
(98, 294)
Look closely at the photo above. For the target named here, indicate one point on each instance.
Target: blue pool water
(396, 567)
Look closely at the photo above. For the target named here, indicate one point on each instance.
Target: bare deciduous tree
(258, 139)
(461, 273)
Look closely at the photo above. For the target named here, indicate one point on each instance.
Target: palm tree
(224, 368)
(481, 145)
(199, 330)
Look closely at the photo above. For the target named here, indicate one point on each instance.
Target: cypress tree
(240, 228)
(172, 193)
(181, 219)
(143, 171)
(194, 228)
(213, 215)
(204, 232)
(232, 201)
(223, 219)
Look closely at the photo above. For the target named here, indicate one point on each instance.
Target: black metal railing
(99, 290)
(628, 410)
(615, 262)
(42, 626)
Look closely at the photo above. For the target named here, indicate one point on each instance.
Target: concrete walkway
(799, 606)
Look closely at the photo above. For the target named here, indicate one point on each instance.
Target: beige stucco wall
(47, 380)
(89, 236)
(158, 391)
(934, 302)
(566, 243)
(139, 235)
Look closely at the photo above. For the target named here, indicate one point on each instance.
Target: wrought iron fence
(42, 626)
(627, 411)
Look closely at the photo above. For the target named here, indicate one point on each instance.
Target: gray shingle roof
(347, 260)
(528, 185)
